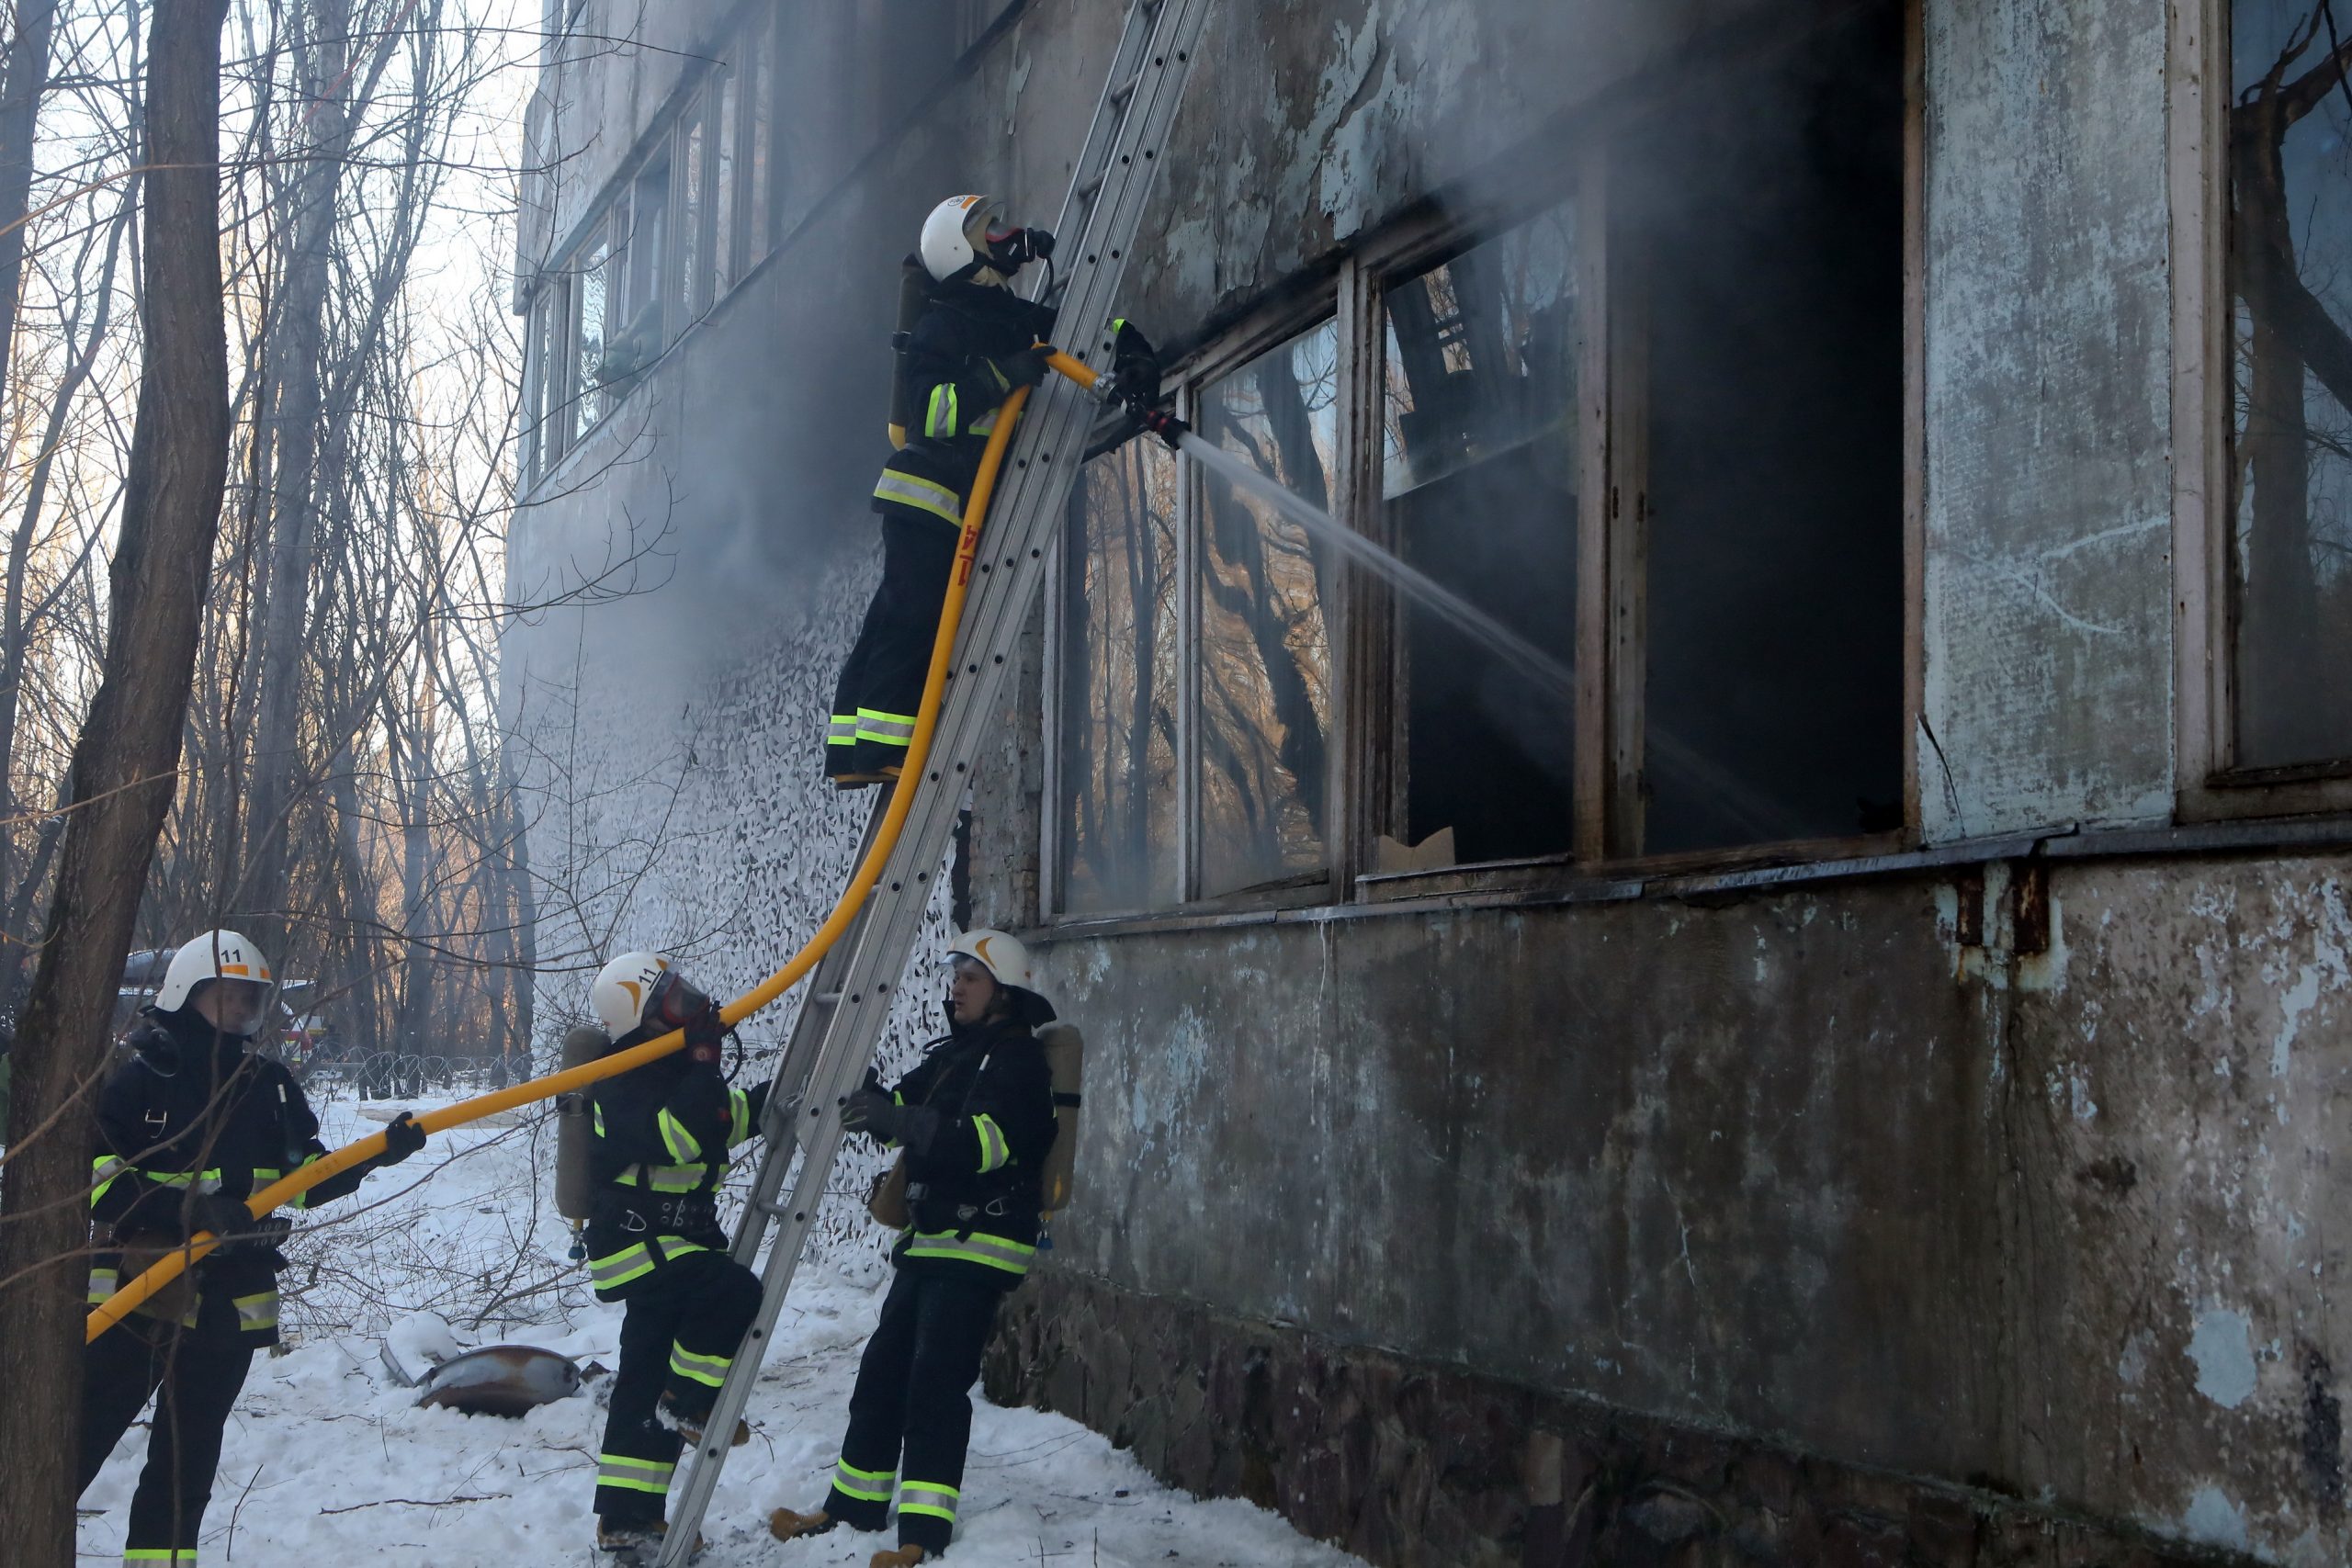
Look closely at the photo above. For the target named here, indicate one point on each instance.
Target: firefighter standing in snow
(662, 1138)
(191, 1124)
(966, 341)
(976, 1121)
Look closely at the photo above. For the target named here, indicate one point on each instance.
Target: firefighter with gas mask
(965, 342)
(975, 1121)
(662, 1138)
(190, 1123)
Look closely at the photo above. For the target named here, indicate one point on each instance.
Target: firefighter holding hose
(660, 1139)
(966, 341)
(191, 1124)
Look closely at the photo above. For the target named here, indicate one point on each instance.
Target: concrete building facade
(1820, 1041)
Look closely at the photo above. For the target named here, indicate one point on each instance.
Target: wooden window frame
(1260, 332)
(2208, 786)
(1612, 550)
(1365, 787)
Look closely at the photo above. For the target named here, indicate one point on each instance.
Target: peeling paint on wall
(2223, 1349)
(2213, 1520)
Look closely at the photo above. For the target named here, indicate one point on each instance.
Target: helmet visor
(234, 1007)
(674, 1003)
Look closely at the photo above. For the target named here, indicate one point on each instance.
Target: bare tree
(20, 92)
(124, 769)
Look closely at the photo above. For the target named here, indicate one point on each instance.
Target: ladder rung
(829, 998)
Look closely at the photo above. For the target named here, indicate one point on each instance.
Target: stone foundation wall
(1416, 1466)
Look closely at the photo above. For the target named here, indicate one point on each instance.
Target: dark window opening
(1768, 235)
(1479, 473)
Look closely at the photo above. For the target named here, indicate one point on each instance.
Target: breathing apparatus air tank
(914, 294)
(1065, 1054)
(575, 1187)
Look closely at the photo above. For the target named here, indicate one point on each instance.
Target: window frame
(1364, 783)
(550, 369)
(1264, 330)
(2209, 786)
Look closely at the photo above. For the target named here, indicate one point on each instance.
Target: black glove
(705, 1030)
(1135, 364)
(1027, 367)
(153, 1041)
(403, 1137)
(225, 1217)
(872, 1112)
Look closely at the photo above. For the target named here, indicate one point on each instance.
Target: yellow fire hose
(943, 647)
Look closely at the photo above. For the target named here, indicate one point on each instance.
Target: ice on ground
(328, 1461)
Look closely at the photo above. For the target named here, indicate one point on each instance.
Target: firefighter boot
(898, 1557)
(691, 1426)
(787, 1525)
(636, 1545)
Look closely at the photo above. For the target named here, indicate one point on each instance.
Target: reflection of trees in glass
(2290, 243)
(591, 286)
(1118, 727)
(1265, 649)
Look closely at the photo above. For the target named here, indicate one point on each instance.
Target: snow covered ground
(328, 1461)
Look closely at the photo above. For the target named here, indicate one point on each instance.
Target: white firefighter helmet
(1003, 957)
(622, 988)
(956, 237)
(211, 956)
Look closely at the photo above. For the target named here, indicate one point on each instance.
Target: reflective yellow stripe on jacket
(991, 1251)
(906, 490)
(664, 1178)
(636, 1262)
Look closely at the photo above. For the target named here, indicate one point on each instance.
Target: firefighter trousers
(194, 1375)
(685, 1322)
(881, 683)
(913, 1400)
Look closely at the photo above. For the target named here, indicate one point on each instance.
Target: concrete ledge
(1416, 1466)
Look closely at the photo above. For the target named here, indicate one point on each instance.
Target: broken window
(1763, 231)
(1120, 684)
(2290, 475)
(1265, 649)
(1479, 476)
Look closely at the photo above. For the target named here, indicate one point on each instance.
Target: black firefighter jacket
(187, 1110)
(973, 1183)
(663, 1134)
(956, 385)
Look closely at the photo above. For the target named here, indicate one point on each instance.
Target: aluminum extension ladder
(849, 994)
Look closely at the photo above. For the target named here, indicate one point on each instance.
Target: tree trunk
(323, 48)
(20, 92)
(124, 764)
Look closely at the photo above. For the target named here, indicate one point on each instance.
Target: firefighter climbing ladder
(849, 999)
